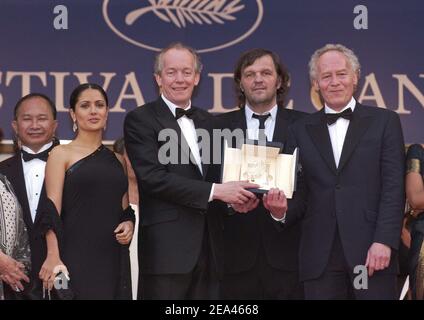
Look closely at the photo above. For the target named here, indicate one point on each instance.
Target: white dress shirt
(338, 130)
(134, 253)
(188, 130)
(253, 123)
(253, 131)
(34, 178)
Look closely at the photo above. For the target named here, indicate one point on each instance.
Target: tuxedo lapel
(281, 126)
(239, 121)
(318, 131)
(357, 127)
(16, 177)
(168, 121)
(201, 122)
(43, 198)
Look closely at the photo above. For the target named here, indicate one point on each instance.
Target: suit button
(338, 187)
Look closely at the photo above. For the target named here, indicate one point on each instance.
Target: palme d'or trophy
(262, 165)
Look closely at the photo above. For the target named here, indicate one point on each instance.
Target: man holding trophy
(260, 256)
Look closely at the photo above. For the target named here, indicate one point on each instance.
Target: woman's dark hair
(119, 146)
(247, 59)
(82, 87)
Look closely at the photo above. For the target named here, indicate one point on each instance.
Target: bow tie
(179, 112)
(42, 155)
(332, 117)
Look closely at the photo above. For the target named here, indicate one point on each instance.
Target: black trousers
(262, 282)
(337, 281)
(201, 283)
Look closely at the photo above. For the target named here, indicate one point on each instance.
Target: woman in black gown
(87, 184)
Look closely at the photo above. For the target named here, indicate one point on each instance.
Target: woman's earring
(75, 127)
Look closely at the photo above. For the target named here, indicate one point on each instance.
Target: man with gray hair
(352, 160)
(179, 237)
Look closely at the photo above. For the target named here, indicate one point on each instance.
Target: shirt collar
(173, 106)
(351, 104)
(45, 147)
(249, 112)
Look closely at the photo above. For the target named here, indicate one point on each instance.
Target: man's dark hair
(35, 95)
(246, 60)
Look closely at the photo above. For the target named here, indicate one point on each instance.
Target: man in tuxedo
(34, 125)
(261, 258)
(352, 159)
(179, 251)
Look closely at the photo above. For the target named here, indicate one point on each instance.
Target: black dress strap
(78, 163)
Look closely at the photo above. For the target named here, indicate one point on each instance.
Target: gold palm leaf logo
(179, 12)
(182, 13)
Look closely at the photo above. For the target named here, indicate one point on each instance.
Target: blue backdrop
(112, 42)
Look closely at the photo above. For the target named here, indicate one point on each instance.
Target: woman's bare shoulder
(62, 151)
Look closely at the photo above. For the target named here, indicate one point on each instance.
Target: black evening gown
(91, 210)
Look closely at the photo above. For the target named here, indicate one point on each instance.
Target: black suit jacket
(246, 234)
(173, 197)
(363, 198)
(12, 168)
